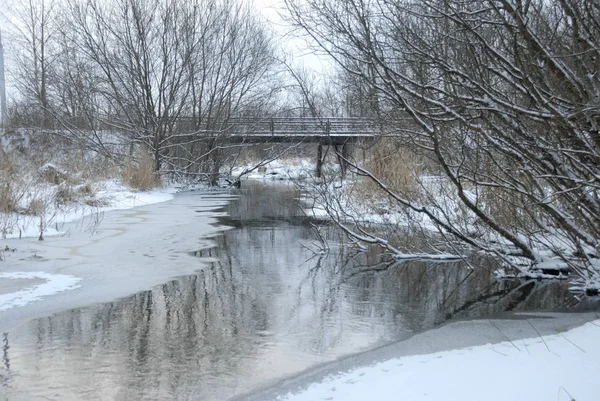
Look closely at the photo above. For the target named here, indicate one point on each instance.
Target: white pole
(3, 106)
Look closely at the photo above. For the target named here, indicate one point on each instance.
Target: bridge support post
(342, 157)
(319, 169)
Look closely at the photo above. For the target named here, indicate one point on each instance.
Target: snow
(54, 284)
(111, 193)
(290, 169)
(559, 367)
(122, 197)
(429, 256)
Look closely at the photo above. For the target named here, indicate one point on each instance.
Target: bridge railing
(288, 126)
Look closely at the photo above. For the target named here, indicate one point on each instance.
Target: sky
(298, 48)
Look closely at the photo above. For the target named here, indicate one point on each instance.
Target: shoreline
(457, 336)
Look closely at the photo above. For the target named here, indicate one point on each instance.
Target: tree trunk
(3, 106)
(157, 161)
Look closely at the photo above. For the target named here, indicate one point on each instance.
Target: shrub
(53, 175)
(35, 207)
(86, 189)
(65, 194)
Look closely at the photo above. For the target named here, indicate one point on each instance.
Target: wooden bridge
(339, 132)
(325, 131)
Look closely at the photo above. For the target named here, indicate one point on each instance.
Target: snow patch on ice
(54, 284)
(121, 197)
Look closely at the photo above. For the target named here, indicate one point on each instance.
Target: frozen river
(170, 306)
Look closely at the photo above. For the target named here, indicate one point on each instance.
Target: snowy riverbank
(561, 367)
(108, 195)
(19, 288)
(376, 219)
(549, 357)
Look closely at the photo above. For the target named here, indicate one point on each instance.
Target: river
(263, 304)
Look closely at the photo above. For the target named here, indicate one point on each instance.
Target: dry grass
(42, 174)
(395, 166)
(139, 174)
(66, 194)
(86, 189)
(53, 175)
(10, 190)
(36, 207)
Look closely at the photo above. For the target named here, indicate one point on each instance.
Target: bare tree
(168, 73)
(34, 25)
(137, 51)
(503, 97)
(232, 76)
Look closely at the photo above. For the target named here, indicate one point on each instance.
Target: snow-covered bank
(429, 209)
(116, 197)
(108, 195)
(290, 169)
(520, 361)
(303, 170)
(557, 367)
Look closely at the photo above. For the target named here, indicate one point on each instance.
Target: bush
(36, 207)
(86, 189)
(65, 194)
(53, 175)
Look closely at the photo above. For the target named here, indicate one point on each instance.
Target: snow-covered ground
(290, 169)
(556, 367)
(516, 360)
(110, 195)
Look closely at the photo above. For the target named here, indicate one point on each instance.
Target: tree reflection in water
(265, 307)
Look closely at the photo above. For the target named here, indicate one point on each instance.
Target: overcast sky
(298, 49)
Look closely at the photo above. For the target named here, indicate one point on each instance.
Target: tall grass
(397, 167)
(139, 173)
(11, 190)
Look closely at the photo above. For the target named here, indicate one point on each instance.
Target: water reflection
(266, 308)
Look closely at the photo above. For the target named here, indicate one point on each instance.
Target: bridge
(339, 132)
(325, 131)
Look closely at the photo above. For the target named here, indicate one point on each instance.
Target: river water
(263, 306)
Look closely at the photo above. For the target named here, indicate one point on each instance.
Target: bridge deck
(284, 129)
